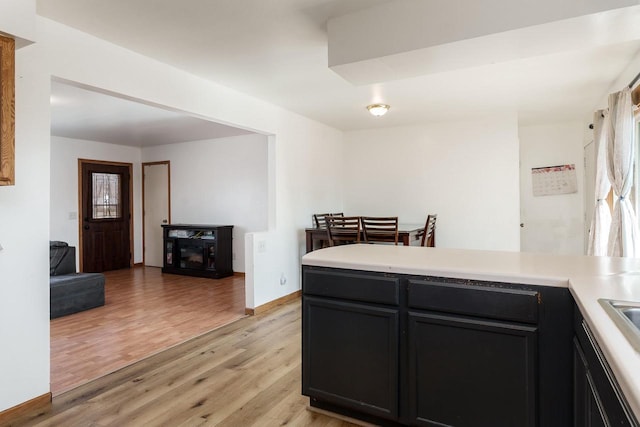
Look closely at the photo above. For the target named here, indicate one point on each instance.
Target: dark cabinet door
(588, 411)
(471, 372)
(350, 355)
(598, 400)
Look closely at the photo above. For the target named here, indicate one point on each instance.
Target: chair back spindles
(380, 229)
(343, 229)
(319, 219)
(429, 234)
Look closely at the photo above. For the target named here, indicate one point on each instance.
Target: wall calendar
(551, 180)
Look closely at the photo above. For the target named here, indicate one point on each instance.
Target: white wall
(24, 235)
(466, 172)
(299, 154)
(306, 179)
(301, 170)
(220, 181)
(553, 224)
(17, 18)
(65, 153)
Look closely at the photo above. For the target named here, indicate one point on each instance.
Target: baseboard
(33, 406)
(238, 273)
(339, 417)
(271, 304)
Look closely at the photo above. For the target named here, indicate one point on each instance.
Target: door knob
(86, 227)
(164, 221)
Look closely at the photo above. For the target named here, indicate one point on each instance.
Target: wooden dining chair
(343, 229)
(429, 232)
(319, 219)
(380, 229)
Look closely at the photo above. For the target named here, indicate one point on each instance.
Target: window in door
(106, 196)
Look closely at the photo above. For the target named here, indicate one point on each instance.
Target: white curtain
(623, 236)
(601, 221)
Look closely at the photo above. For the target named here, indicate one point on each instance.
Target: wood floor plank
(269, 402)
(145, 312)
(202, 399)
(241, 390)
(247, 373)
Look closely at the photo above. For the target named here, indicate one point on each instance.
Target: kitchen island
(431, 336)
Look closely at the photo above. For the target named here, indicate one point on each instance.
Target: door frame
(163, 162)
(81, 162)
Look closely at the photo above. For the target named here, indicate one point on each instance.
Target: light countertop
(588, 279)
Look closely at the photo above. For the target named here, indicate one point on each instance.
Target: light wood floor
(145, 312)
(246, 373)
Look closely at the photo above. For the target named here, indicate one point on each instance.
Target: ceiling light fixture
(378, 109)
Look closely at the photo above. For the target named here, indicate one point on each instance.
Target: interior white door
(156, 210)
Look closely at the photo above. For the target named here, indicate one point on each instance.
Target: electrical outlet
(262, 246)
(283, 279)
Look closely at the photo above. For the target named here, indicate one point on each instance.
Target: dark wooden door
(468, 372)
(106, 216)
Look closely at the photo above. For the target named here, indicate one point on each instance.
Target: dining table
(407, 234)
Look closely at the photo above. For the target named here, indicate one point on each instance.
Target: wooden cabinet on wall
(198, 250)
(7, 111)
(398, 349)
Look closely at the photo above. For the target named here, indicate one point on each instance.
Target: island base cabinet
(393, 349)
(350, 355)
(471, 372)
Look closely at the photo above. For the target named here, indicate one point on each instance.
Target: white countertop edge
(561, 282)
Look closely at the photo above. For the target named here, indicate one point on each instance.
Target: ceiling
(80, 113)
(546, 68)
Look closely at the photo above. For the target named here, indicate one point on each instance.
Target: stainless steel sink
(633, 314)
(626, 315)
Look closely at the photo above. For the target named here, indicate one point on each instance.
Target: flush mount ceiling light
(378, 109)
